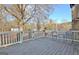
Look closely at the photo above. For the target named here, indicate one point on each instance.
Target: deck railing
(63, 35)
(10, 38)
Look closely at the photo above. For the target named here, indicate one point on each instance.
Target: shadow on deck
(42, 46)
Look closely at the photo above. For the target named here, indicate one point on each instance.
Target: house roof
(71, 5)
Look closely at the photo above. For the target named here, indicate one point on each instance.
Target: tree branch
(10, 12)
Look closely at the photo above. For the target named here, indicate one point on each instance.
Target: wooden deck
(42, 46)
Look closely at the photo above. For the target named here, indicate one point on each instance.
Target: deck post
(21, 37)
(30, 34)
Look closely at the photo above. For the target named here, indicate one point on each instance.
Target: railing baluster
(9, 38)
(74, 35)
(6, 38)
(3, 39)
(0, 39)
(21, 37)
(16, 38)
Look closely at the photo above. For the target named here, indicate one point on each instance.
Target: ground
(41, 46)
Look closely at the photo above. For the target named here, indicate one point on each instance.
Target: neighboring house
(75, 16)
(16, 29)
(65, 26)
(75, 20)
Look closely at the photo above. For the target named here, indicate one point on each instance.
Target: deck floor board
(41, 46)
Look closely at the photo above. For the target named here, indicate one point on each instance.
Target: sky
(61, 13)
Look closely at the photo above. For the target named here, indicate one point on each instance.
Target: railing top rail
(9, 32)
(74, 31)
(38, 31)
(65, 31)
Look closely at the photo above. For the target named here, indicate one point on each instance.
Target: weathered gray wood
(41, 46)
(6, 38)
(21, 37)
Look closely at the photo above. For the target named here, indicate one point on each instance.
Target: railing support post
(30, 34)
(21, 37)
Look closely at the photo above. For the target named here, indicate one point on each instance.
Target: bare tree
(18, 11)
(2, 21)
(41, 13)
(24, 12)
